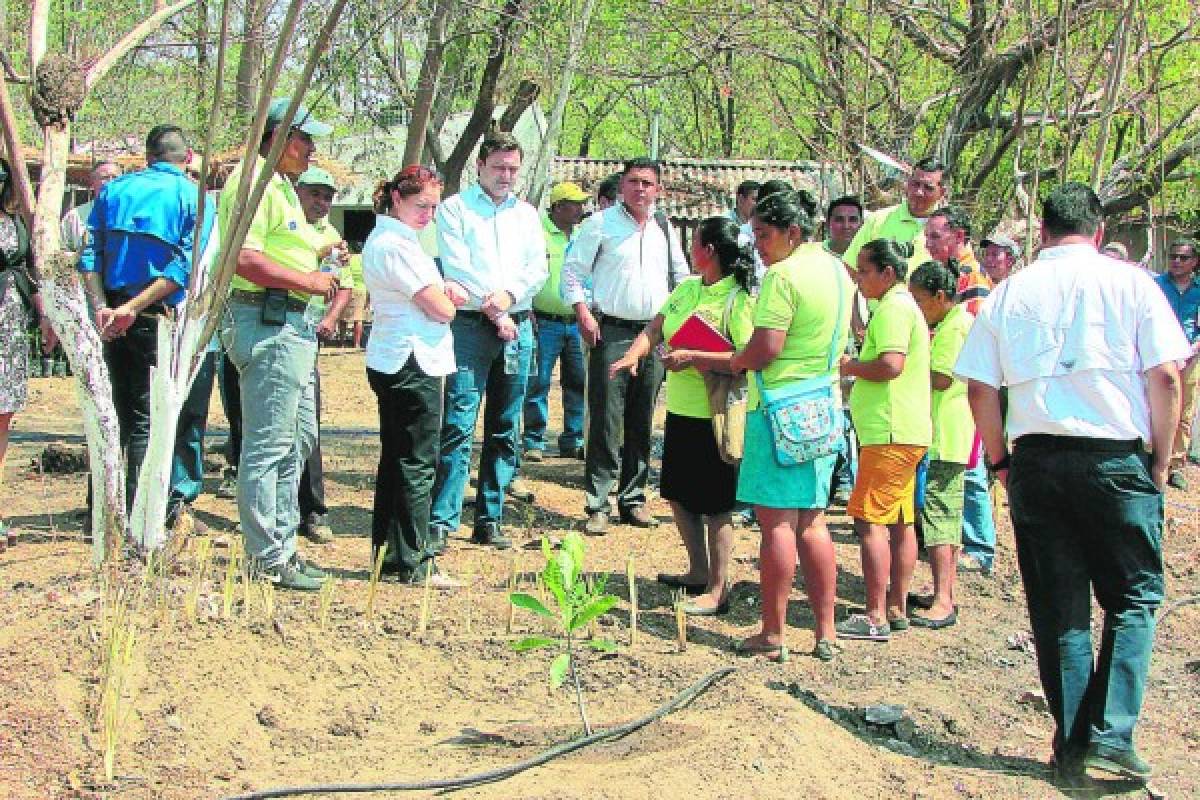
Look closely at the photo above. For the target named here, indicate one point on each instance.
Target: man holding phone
(274, 350)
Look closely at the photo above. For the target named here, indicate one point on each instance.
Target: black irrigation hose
(491, 776)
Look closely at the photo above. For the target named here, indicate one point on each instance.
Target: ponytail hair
(721, 234)
(784, 209)
(884, 253)
(934, 277)
(409, 181)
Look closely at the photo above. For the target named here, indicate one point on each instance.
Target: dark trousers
(410, 419)
(620, 415)
(1087, 517)
(312, 480)
(129, 359)
(231, 399)
(187, 465)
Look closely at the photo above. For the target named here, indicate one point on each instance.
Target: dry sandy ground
(218, 706)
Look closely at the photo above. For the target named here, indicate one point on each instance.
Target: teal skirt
(763, 482)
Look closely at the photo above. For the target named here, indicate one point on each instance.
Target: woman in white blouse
(408, 356)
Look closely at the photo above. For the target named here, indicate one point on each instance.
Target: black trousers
(620, 416)
(231, 399)
(312, 480)
(410, 420)
(129, 359)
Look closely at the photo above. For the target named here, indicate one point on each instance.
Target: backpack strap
(660, 217)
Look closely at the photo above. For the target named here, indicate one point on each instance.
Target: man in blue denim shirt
(1182, 289)
(136, 263)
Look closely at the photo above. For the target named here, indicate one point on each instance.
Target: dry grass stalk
(631, 581)
(373, 587)
(229, 583)
(512, 587)
(680, 621)
(191, 603)
(266, 591)
(119, 637)
(325, 602)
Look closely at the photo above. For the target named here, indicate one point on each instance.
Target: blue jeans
(979, 528)
(1088, 520)
(480, 377)
(279, 425)
(556, 339)
(187, 464)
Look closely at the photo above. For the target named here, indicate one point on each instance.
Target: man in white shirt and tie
(492, 245)
(634, 259)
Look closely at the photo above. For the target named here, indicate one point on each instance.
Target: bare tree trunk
(250, 62)
(541, 165)
(506, 36)
(427, 82)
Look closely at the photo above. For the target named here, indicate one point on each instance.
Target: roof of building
(697, 188)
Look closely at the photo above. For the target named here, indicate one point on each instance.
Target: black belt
(249, 298)
(627, 324)
(565, 319)
(517, 316)
(1046, 441)
(119, 297)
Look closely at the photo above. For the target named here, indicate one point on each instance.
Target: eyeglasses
(1182, 256)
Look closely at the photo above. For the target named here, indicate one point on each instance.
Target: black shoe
(1126, 763)
(572, 452)
(489, 533)
(520, 490)
(638, 517)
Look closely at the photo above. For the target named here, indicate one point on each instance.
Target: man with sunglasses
(274, 350)
(1180, 285)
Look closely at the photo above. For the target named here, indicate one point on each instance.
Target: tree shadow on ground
(914, 742)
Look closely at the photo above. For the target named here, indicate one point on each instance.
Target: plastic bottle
(314, 312)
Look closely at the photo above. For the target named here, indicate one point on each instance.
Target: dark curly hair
(411, 180)
(934, 277)
(884, 253)
(721, 234)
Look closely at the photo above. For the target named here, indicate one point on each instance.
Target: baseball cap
(1116, 250)
(304, 121)
(568, 191)
(315, 176)
(1007, 242)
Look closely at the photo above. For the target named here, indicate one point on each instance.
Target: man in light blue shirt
(491, 244)
(1182, 290)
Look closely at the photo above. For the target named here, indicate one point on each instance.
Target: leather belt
(565, 319)
(627, 324)
(517, 316)
(1047, 441)
(249, 298)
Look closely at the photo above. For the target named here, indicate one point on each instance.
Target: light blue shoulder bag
(805, 417)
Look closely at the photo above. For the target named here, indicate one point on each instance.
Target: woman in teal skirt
(804, 294)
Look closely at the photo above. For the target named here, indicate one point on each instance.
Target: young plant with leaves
(578, 604)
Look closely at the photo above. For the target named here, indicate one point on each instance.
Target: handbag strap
(834, 350)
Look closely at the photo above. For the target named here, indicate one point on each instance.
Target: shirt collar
(166, 166)
(550, 228)
(389, 223)
(480, 196)
(1066, 251)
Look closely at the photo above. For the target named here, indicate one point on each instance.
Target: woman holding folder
(699, 485)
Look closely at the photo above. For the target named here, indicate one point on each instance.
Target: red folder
(697, 333)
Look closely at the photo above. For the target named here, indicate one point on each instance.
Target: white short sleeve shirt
(395, 268)
(1071, 336)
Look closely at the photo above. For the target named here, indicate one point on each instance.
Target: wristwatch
(996, 466)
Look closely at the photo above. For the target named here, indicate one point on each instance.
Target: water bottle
(314, 312)
(512, 357)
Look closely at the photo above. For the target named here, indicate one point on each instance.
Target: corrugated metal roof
(697, 188)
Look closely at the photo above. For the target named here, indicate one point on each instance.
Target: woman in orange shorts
(890, 406)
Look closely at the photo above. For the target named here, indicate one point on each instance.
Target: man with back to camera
(493, 249)
(634, 260)
(136, 262)
(1182, 290)
(1089, 353)
(274, 349)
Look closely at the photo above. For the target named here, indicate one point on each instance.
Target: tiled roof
(698, 188)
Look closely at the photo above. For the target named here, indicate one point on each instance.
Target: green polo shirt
(953, 426)
(549, 300)
(896, 411)
(352, 277)
(279, 230)
(800, 295)
(686, 393)
(895, 223)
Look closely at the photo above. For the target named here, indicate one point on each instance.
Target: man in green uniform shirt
(923, 193)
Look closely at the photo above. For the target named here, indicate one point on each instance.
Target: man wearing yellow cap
(558, 336)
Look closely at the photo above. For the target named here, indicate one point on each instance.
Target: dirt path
(221, 706)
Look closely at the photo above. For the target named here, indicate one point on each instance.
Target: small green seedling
(578, 604)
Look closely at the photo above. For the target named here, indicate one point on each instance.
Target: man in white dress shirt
(491, 244)
(1089, 351)
(634, 259)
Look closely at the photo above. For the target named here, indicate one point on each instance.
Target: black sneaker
(1126, 763)
(489, 533)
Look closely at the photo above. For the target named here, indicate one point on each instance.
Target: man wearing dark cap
(274, 349)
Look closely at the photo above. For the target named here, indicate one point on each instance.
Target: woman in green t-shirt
(890, 408)
(795, 329)
(697, 482)
(933, 287)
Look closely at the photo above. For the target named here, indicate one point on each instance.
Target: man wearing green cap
(315, 189)
(558, 335)
(274, 350)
